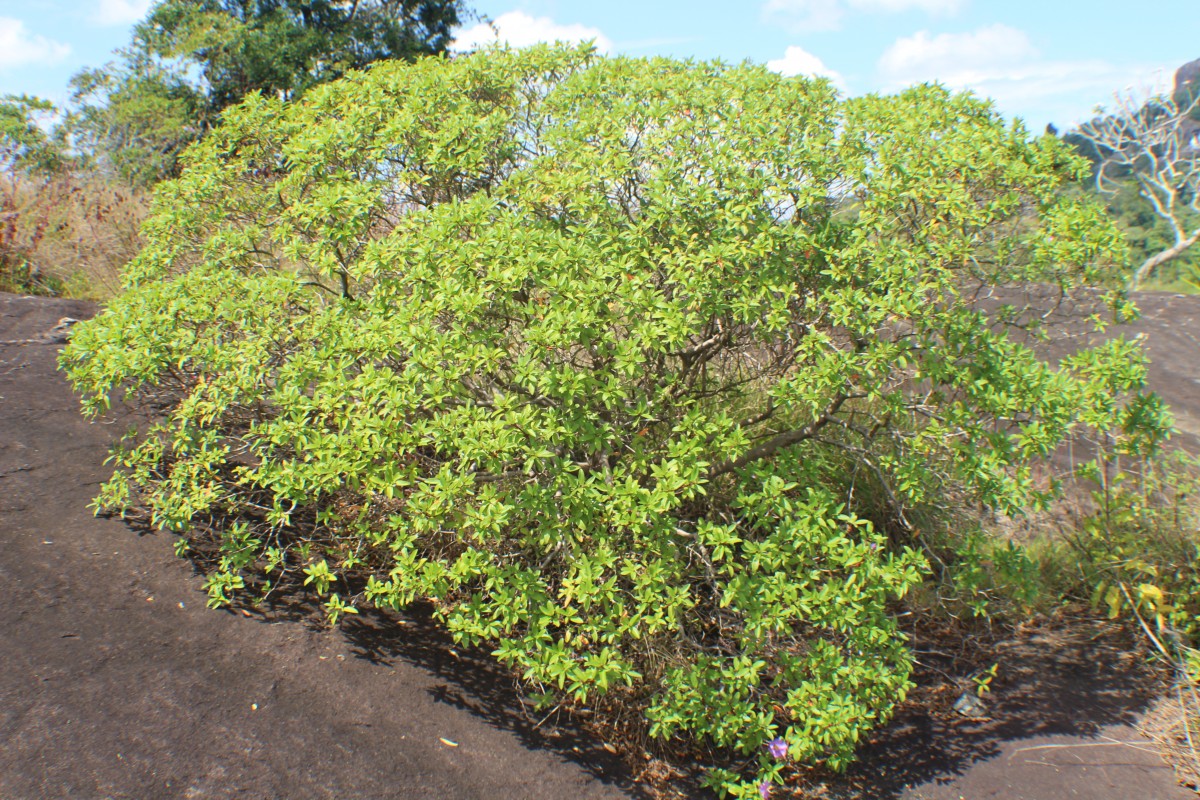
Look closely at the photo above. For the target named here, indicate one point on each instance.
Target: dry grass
(67, 235)
(1174, 724)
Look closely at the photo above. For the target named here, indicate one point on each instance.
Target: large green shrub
(602, 356)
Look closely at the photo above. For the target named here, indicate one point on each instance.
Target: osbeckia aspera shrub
(584, 350)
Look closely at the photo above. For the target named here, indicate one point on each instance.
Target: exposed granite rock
(1187, 96)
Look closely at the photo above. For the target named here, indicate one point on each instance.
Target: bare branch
(780, 441)
(1154, 143)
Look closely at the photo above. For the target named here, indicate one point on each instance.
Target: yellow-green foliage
(563, 342)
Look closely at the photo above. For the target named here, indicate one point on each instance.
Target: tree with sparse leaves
(1153, 144)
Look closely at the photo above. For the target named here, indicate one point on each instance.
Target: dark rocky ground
(117, 682)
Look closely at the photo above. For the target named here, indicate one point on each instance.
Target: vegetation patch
(653, 376)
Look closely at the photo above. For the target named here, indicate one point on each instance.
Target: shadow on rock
(1072, 683)
(469, 679)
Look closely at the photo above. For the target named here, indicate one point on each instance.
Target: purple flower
(764, 790)
(778, 748)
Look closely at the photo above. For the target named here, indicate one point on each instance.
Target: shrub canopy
(634, 367)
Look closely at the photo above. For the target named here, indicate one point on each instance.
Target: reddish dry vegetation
(67, 234)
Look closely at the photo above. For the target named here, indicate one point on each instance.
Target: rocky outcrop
(1187, 96)
(1187, 81)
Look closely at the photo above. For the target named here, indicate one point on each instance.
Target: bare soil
(117, 682)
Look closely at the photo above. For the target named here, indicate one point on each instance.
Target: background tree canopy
(643, 371)
(283, 47)
(25, 146)
(189, 59)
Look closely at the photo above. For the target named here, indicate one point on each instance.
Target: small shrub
(1138, 547)
(602, 356)
(1136, 551)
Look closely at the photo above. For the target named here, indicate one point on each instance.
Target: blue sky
(1043, 60)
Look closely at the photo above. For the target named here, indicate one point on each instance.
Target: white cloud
(826, 15)
(1063, 92)
(518, 29)
(1002, 63)
(798, 61)
(805, 15)
(121, 12)
(953, 57)
(19, 47)
(898, 6)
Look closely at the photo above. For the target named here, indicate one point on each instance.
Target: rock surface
(117, 682)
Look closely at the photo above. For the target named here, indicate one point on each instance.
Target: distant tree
(28, 156)
(1153, 144)
(135, 116)
(282, 47)
(25, 146)
(189, 59)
